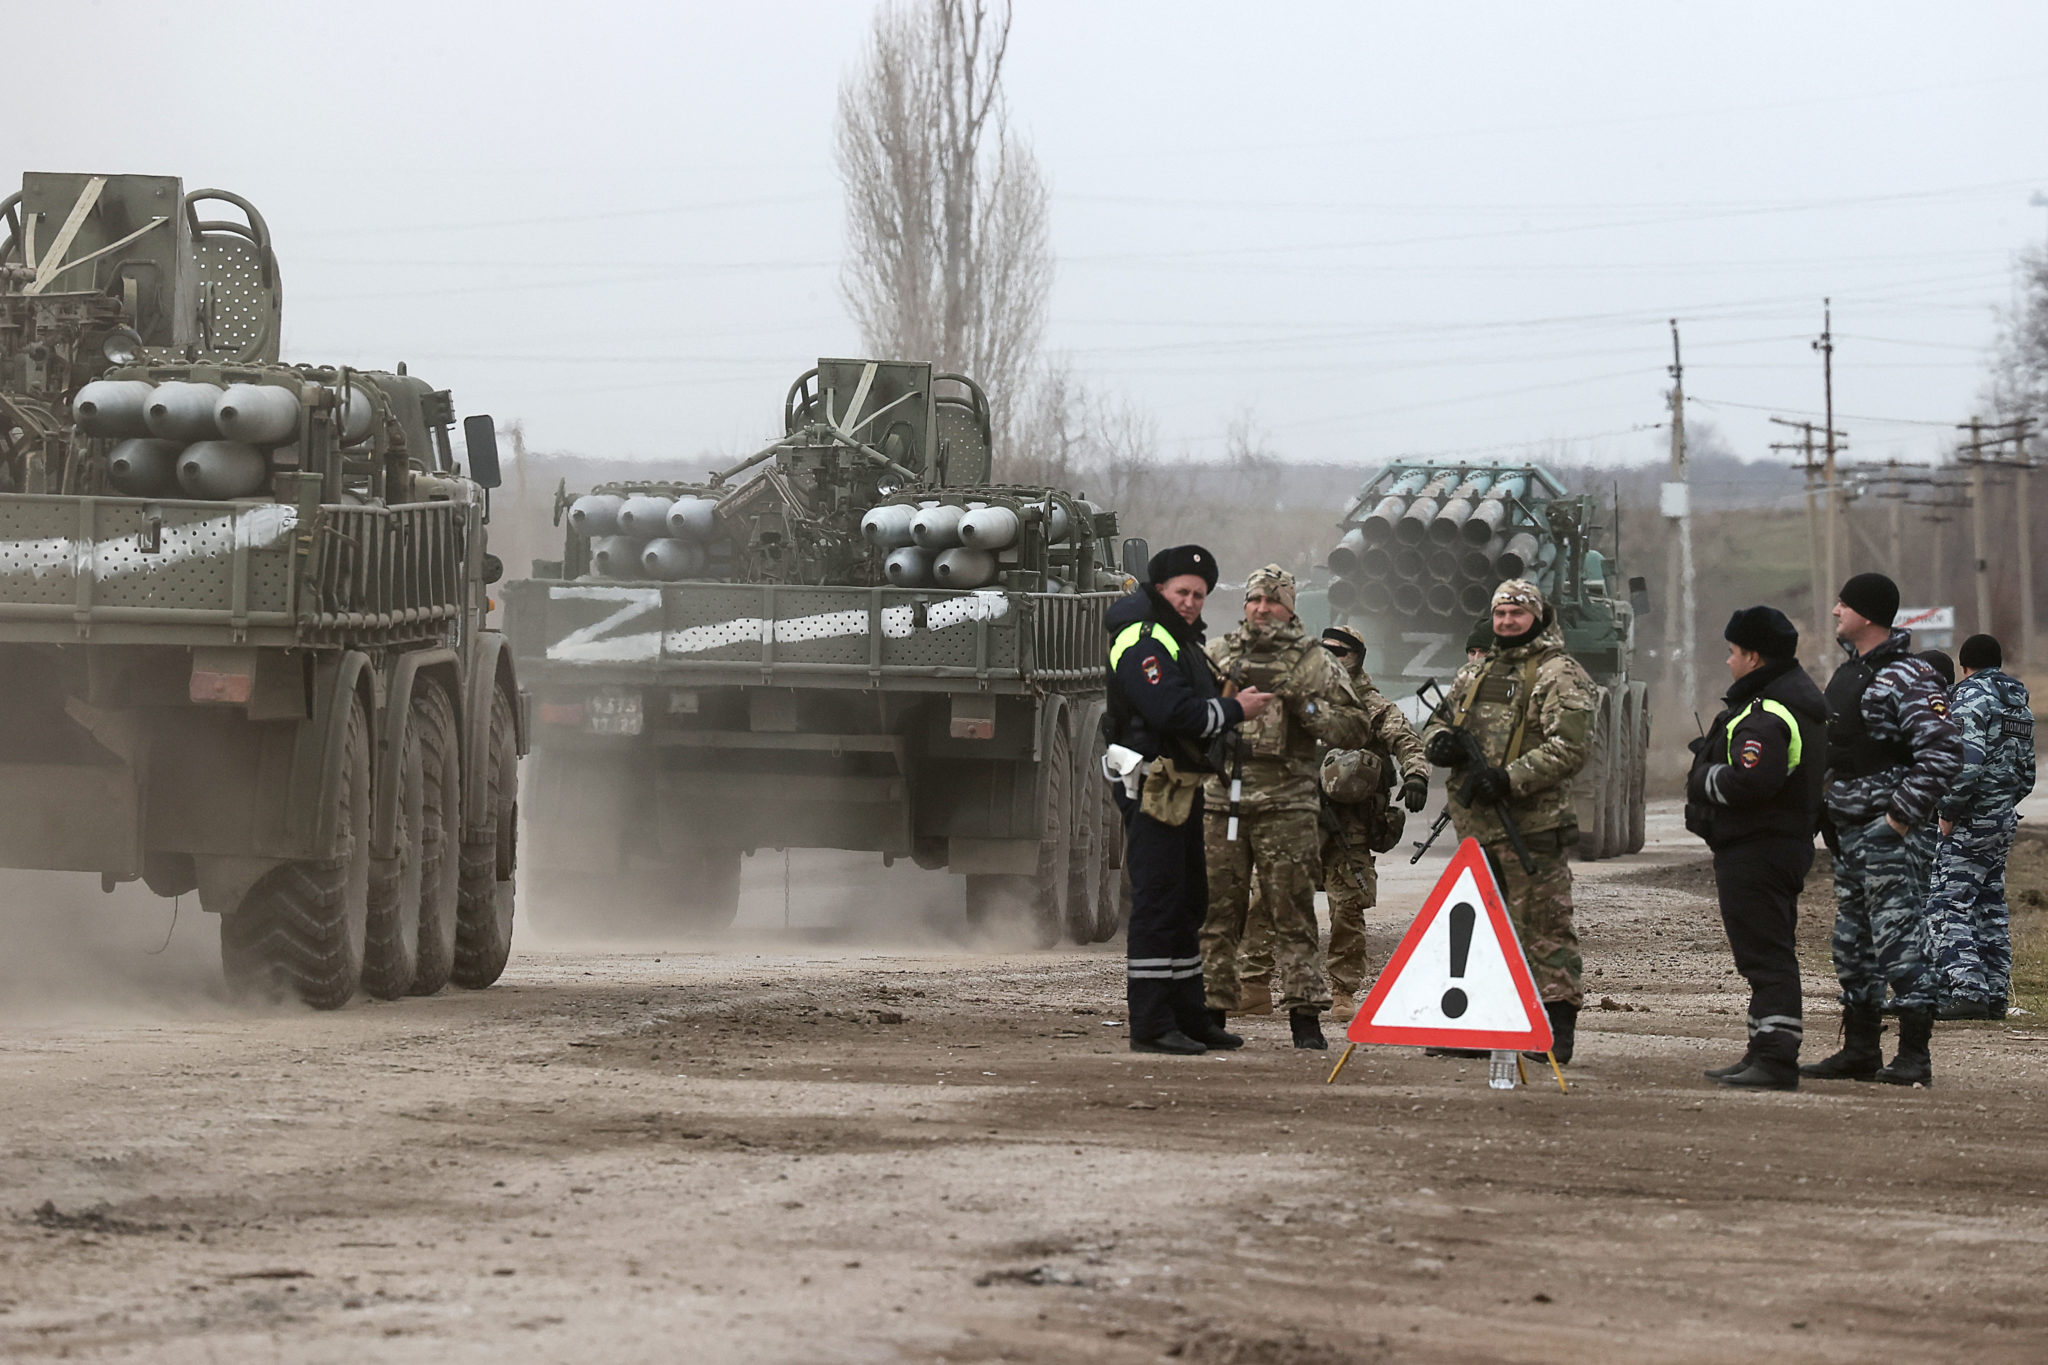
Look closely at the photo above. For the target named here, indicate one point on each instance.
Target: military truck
(851, 639)
(244, 648)
(1421, 548)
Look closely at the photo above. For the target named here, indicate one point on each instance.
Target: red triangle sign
(1458, 979)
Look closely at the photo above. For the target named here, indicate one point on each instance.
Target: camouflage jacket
(1389, 735)
(1993, 712)
(1556, 714)
(1314, 702)
(1892, 749)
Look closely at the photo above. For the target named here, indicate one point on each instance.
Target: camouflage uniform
(1968, 919)
(1278, 840)
(1540, 688)
(1892, 751)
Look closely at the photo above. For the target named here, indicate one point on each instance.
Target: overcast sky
(1381, 228)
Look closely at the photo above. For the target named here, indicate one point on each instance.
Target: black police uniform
(1163, 700)
(1754, 795)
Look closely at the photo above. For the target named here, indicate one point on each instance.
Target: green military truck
(243, 639)
(1420, 549)
(852, 640)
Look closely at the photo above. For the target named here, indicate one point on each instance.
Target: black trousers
(1169, 899)
(1759, 881)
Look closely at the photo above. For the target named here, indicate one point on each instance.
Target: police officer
(1530, 705)
(1754, 796)
(1277, 839)
(1359, 817)
(1966, 912)
(1892, 752)
(1164, 704)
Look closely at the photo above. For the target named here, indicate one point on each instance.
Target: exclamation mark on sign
(1463, 917)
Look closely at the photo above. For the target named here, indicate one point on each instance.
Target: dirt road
(806, 1145)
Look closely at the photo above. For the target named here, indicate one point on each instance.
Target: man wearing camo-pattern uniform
(1530, 705)
(1892, 752)
(1966, 911)
(1278, 839)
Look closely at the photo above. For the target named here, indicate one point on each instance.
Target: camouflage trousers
(1880, 937)
(1352, 885)
(1969, 926)
(1539, 905)
(1280, 848)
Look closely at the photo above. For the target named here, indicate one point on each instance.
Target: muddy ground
(840, 1142)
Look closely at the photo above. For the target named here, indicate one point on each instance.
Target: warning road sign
(1458, 979)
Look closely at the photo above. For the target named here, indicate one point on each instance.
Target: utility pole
(2025, 499)
(1816, 571)
(1680, 630)
(1826, 346)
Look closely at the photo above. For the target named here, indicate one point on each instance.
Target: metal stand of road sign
(1520, 1073)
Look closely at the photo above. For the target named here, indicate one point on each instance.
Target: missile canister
(1444, 565)
(144, 467)
(114, 407)
(1414, 523)
(1458, 510)
(888, 527)
(1375, 599)
(1343, 594)
(218, 470)
(1441, 598)
(1378, 524)
(937, 528)
(1490, 516)
(669, 559)
(1345, 559)
(260, 414)
(644, 517)
(989, 528)
(1409, 597)
(693, 518)
(964, 568)
(183, 411)
(909, 566)
(615, 557)
(358, 410)
(596, 514)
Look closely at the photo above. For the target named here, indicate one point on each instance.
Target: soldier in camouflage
(1892, 752)
(1530, 705)
(1967, 915)
(1278, 838)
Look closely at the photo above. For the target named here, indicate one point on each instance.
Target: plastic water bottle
(1500, 1070)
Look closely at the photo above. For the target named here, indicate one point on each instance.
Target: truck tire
(1590, 793)
(1621, 766)
(391, 949)
(1638, 781)
(1084, 862)
(433, 716)
(1112, 906)
(301, 929)
(483, 920)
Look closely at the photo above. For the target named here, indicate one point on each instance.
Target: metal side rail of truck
(778, 662)
(244, 648)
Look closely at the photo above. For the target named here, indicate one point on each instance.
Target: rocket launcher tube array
(1414, 523)
(1491, 516)
(1456, 512)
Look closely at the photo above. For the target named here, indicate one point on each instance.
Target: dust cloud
(74, 953)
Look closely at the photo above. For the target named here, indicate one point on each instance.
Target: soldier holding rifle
(1515, 730)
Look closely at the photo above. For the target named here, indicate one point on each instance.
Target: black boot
(1763, 1073)
(1564, 1029)
(1860, 1057)
(1914, 1065)
(1172, 1042)
(1722, 1073)
(1210, 1032)
(1962, 1007)
(1308, 1029)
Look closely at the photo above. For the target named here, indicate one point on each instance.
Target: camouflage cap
(1274, 582)
(1519, 592)
(1346, 637)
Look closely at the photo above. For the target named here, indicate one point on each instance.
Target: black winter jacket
(1163, 697)
(1743, 784)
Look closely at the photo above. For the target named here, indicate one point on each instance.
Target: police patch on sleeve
(1151, 667)
(1939, 705)
(1751, 753)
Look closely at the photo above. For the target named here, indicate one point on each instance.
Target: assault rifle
(1472, 758)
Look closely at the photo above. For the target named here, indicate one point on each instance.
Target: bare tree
(948, 249)
(2019, 368)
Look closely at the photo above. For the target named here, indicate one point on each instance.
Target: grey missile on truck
(852, 639)
(244, 640)
(1419, 551)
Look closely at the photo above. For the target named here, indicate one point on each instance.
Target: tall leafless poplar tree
(948, 250)
(2019, 367)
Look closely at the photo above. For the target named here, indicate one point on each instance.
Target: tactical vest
(1852, 750)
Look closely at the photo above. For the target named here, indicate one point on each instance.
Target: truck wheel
(391, 951)
(1639, 778)
(1621, 766)
(301, 929)
(1085, 859)
(1112, 905)
(483, 920)
(433, 717)
(1591, 796)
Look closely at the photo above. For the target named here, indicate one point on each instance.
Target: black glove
(1492, 784)
(1415, 791)
(1442, 749)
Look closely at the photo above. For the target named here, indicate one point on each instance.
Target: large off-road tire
(391, 950)
(1034, 908)
(1621, 767)
(483, 921)
(301, 929)
(433, 716)
(1087, 853)
(1113, 902)
(1639, 774)
(1590, 793)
